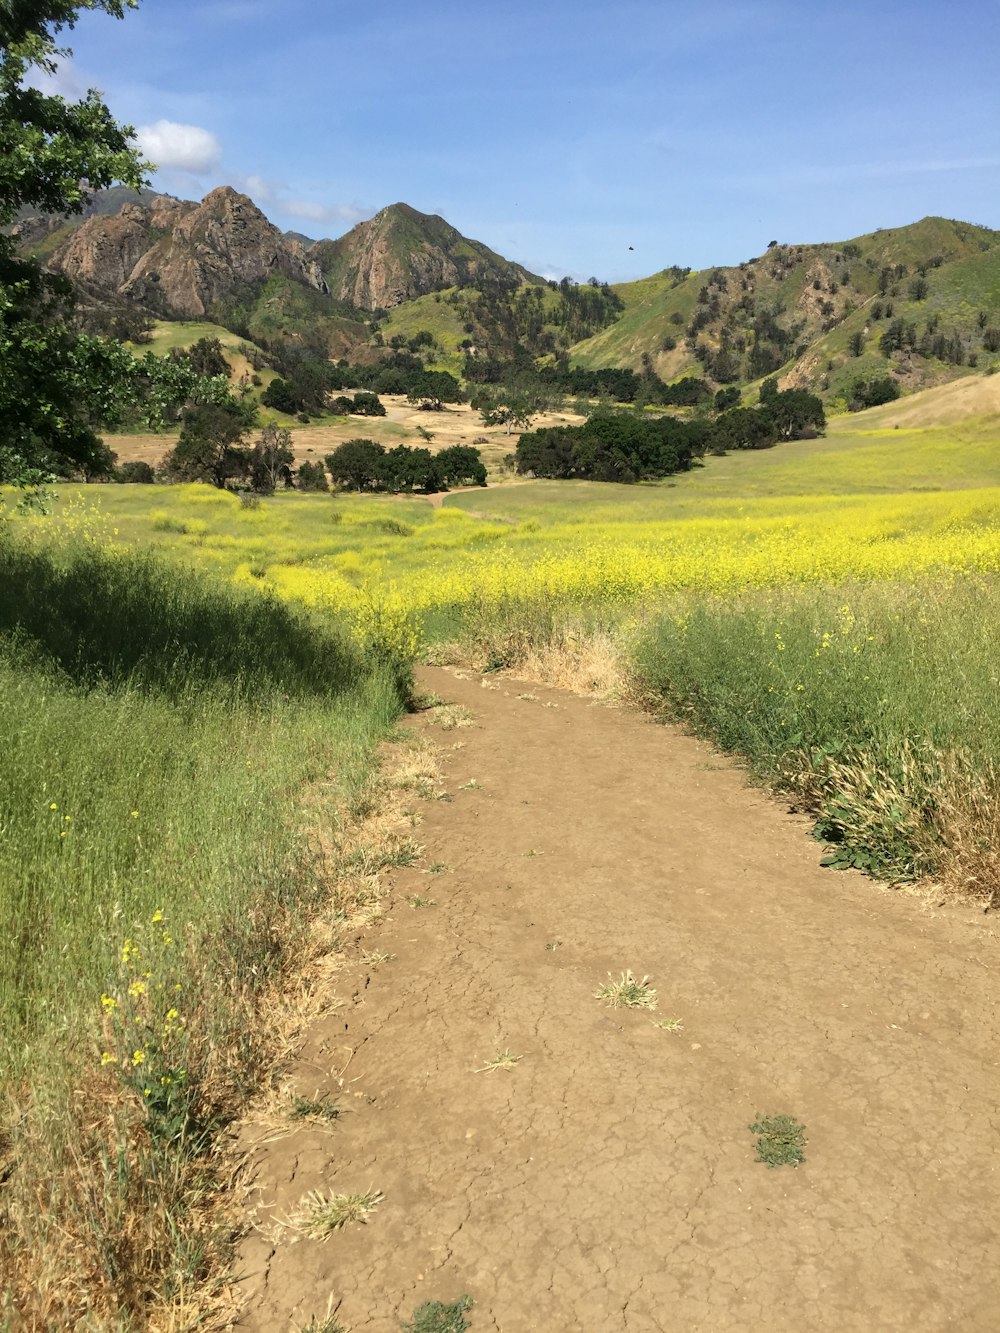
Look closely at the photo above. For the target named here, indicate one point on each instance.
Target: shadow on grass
(116, 616)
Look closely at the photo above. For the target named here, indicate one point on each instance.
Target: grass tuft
(314, 1108)
(451, 716)
(627, 992)
(502, 1060)
(441, 1317)
(780, 1140)
(319, 1215)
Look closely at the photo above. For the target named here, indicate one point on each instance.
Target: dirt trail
(607, 1181)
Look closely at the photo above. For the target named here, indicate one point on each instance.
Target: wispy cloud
(276, 197)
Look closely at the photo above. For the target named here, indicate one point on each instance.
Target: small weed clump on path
(627, 992)
(780, 1140)
(314, 1108)
(327, 1324)
(451, 716)
(320, 1215)
(502, 1060)
(439, 1317)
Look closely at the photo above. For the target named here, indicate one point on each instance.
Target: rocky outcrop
(173, 256)
(102, 252)
(401, 253)
(180, 259)
(225, 243)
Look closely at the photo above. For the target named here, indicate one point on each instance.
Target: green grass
(158, 872)
(874, 704)
(628, 992)
(170, 335)
(441, 1317)
(780, 1140)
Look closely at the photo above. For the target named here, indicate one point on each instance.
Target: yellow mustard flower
(134, 814)
(138, 1057)
(137, 988)
(108, 1059)
(109, 1002)
(157, 916)
(53, 806)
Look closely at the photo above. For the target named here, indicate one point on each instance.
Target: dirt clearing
(571, 1164)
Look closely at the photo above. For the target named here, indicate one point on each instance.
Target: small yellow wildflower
(63, 834)
(53, 806)
(157, 916)
(137, 988)
(67, 819)
(138, 1057)
(135, 814)
(108, 1059)
(109, 1002)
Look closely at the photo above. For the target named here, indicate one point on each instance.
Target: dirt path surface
(607, 1180)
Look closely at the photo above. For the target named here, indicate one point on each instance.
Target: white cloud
(181, 147)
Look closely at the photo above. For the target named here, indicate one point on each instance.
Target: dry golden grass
(942, 405)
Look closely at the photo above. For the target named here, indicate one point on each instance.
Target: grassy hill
(816, 314)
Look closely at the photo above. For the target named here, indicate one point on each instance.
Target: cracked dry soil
(607, 1181)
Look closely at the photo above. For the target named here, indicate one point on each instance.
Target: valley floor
(606, 1180)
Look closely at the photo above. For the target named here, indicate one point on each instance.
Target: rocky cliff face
(400, 254)
(227, 242)
(103, 251)
(179, 259)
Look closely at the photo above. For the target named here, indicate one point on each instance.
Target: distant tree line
(612, 446)
(617, 383)
(365, 465)
(400, 374)
(629, 447)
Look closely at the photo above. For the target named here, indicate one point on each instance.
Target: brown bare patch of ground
(605, 1180)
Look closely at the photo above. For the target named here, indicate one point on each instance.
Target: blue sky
(562, 133)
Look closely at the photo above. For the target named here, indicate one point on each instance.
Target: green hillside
(817, 315)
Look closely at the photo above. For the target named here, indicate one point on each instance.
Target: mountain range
(919, 303)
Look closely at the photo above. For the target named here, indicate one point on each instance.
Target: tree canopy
(53, 155)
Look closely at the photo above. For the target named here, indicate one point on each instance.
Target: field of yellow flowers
(554, 542)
